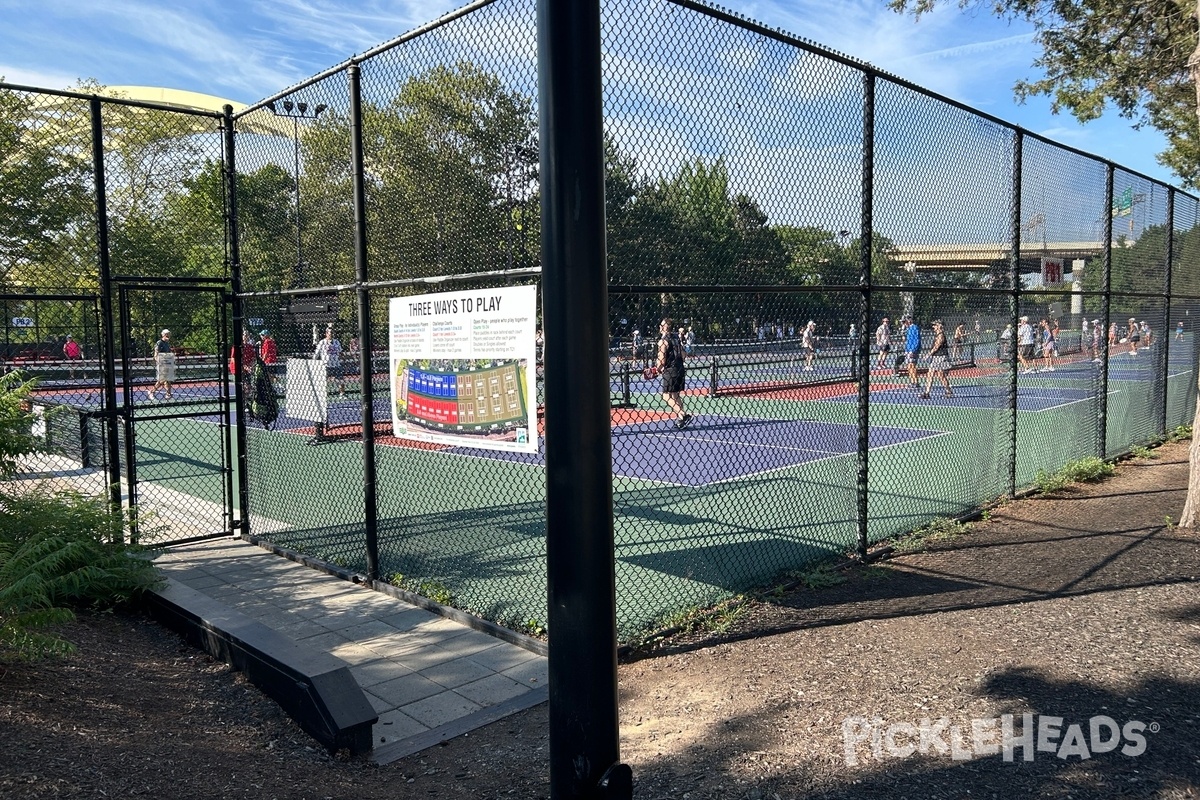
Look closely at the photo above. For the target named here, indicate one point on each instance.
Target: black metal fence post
(1164, 334)
(365, 340)
(106, 308)
(863, 346)
(241, 457)
(1106, 299)
(584, 740)
(1014, 306)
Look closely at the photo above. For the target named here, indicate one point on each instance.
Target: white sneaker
(150, 395)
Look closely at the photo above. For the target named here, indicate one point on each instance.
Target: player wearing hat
(164, 366)
(268, 351)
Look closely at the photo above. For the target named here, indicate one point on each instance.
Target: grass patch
(1084, 470)
(942, 529)
(431, 588)
(821, 576)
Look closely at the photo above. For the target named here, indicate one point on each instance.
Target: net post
(712, 378)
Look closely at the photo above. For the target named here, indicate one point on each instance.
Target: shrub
(56, 554)
(16, 423)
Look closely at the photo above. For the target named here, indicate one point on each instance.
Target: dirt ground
(1079, 609)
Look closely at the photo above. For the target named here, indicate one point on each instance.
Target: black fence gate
(175, 401)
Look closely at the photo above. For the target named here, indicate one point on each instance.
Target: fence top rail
(430, 280)
(123, 101)
(30, 296)
(421, 30)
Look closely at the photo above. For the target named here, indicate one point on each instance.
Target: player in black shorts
(672, 370)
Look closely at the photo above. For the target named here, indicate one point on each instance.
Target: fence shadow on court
(1024, 554)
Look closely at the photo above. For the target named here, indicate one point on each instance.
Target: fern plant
(56, 554)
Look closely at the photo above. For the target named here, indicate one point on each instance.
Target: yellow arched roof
(176, 98)
(196, 101)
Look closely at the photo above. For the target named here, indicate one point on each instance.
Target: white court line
(933, 435)
(747, 444)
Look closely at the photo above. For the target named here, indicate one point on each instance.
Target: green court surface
(689, 529)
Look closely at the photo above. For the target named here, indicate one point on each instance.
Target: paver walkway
(429, 678)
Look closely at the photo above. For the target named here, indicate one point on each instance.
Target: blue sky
(245, 50)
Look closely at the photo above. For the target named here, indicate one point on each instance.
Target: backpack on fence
(263, 405)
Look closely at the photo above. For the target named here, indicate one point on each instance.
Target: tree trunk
(1191, 506)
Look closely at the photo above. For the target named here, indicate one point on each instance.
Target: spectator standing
(1025, 345)
(1134, 334)
(1179, 331)
(74, 355)
(1145, 334)
(268, 350)
(1096, 333)
(164, 366)
(883, 342)
(938, 363)
(249, 353)
(329, 352)
(960, 336)
(912, 350)
(1005, 343)
(268, 354)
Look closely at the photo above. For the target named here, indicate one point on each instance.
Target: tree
(1130, 53)
(44, 195)
(451, 173)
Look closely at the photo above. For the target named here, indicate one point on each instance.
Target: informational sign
(305, 390)
(1122, 204)
(461, 367)
(1052, 270)
(22, 322)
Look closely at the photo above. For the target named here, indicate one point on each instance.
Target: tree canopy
(1132, 54)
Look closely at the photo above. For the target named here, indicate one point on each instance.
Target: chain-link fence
(113, 231)
(890, 308)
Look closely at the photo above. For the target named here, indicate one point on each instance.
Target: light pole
(296, 111)
(910, 268)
